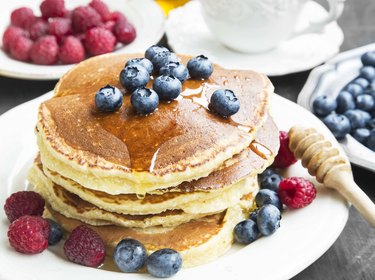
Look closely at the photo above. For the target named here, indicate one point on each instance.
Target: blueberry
(371, 89)
(164, 263)
(368, 58)
(338, 124)
(253, 215)
(268, 219)
(167, 87)
(55, 232)
(246, 232)
(108, 99)
(129, 255)
(133, 77)
(268, 172)
(357, 118)
(147, 64)
(371, 124)
(266, 196)
(345, 101)
(176, 69)
(362, 82)
(200, 67)
(271, 182)
(367, 72)
(370, 143)
(365, 102)
(151, 51)
(144, 100)
(162, 58)
(354, 89)
(324, 105)
(224, 102)
(361, 135)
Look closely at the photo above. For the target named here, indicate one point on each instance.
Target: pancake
(126, 153)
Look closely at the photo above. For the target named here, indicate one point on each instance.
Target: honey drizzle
(260, 150)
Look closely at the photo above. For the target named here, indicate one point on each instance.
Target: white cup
(252, 26)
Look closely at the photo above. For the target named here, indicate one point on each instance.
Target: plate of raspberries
(41, 40)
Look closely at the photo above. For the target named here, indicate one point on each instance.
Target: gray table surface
(352, 256)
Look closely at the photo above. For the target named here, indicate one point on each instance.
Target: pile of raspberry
(61, 36)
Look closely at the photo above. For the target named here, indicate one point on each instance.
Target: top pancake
(181, 141)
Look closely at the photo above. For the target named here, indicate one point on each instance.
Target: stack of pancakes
(181, 177)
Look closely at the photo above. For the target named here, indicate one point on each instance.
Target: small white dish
(303, 237)
(330, 79)
(146, 15)
(188, 33)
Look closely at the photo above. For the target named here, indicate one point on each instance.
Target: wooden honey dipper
(325, 162)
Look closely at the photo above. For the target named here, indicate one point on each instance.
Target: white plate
(187, 33)
(330, 79)
(146, 15)
(303, 237)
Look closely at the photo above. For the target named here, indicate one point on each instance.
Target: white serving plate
(146, 15)
(329, 79)
(303, 237)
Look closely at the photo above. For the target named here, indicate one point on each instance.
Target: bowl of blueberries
(341, 93)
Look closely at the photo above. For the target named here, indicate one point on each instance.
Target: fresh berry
(108, 99)
(358, 118)
(20, 48)
(23, 203)
(110, 25)
(164, 263)
(60, 27)
(29, 234)
(133, 77)
(55, 234)
(102, 9)
(296, 192)
(345, 101)
(118, 16)
(368, 58)
(21, 17)
(125, 32)
(371, 123)
(271, 182)
(367, 72)
(154, 49)
(361, 135)
(365, 102)
(371, 89)
(354, 89)
(10, 34)
(147, 64)
(268, 172)
(324, 105)
(167, 87)
(253, 215)
(129, 255)
(162, 58)
(38, 29)
(176, 69)
(224, 102)
(338, 124)
(200, 67)
(361, 82)
(84, 246)
(370, 142)
(71, 50)
(266, 196)
(268, 219)
(246, 232)
(52, 8)
(99, 40)
(84, 18)
(285, 156)
(144, 101)
(45, 50)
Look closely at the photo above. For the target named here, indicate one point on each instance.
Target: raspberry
(85, 18)
(84, 246)
(71, 51)
(60, 27)
(99, 41)
(21, 17)
(45, 50)
(29, 234)
(102, 9)
(10, 34)
(38, 29)
(23, 203)
(20, 48)
(117, 16)
(110, 25)
(284, 157)
(296, 192)
(52, 8)
(125, 32)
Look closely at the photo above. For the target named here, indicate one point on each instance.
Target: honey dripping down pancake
(126, 153)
